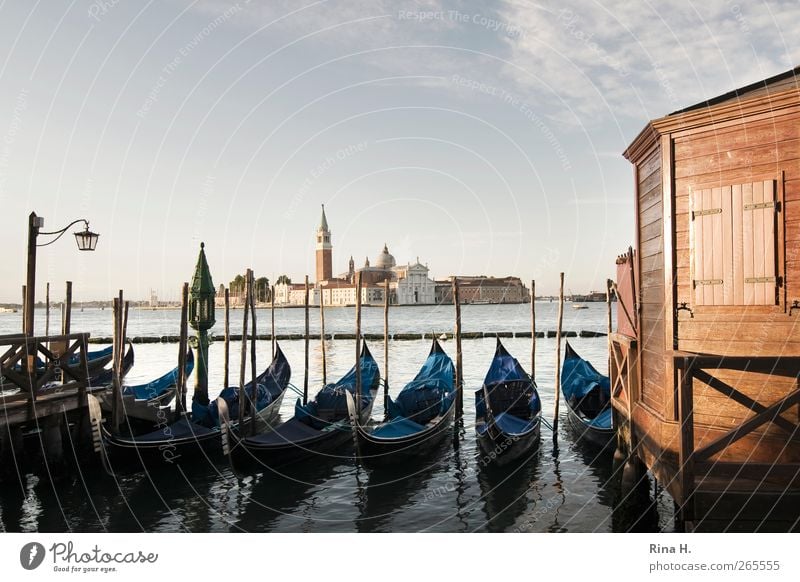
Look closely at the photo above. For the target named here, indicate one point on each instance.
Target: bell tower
(324, 250)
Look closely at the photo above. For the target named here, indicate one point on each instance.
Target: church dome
(385, 260)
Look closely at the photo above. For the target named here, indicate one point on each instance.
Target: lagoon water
(568, 487)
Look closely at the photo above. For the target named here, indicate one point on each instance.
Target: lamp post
(201, 318)
(86, 239)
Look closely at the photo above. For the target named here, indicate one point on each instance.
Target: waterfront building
(482, 289)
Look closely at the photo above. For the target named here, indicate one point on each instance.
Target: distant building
(483, 289)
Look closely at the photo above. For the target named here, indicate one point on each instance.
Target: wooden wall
(762, 147)
(650, 209)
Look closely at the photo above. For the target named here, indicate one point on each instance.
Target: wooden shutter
(708, 242)
(759, 241)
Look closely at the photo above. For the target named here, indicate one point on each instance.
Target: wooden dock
(50, 396)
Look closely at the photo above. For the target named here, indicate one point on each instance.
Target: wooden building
(706, 377)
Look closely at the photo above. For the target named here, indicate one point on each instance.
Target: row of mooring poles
(66, 309)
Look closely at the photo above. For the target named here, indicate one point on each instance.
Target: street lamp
(86, 240)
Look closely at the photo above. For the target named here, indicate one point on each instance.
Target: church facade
(409, 284)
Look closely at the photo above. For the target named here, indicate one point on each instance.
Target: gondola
(317, 428)
(508, 426)
(101, 377)
(418, 417)
(199, 432)
(588, 396)
(144, 401)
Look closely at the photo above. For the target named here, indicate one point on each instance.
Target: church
(409, 284)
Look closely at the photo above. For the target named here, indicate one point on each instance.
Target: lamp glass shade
(87, 240)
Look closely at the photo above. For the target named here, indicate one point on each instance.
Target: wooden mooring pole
(253, 372)
(66, 322)
(227, 342)
(386, 349)
(243, 360)
(557, 396)
(533, 329)
(322, 336)
(180, 387)
(47, 310)
(305, 338)
(272, 315)
(358, 345)
(459, 360)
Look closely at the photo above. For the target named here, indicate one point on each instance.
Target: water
(563, 488)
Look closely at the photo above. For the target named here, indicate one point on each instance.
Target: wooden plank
(769, 242)
(651, 215)
(726, 246)
(747, 245)
(717, 250)
(697, 241)
(741, 136)
(743, 175)
(733, 348)
(651, 231)
(759, 295)
(737, 259)
(707, 242)
(652, 247)
(775, 154)
(649, 165)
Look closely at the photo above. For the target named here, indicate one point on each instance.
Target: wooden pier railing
(62, 361)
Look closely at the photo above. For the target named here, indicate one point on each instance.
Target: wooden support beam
(686, 450)
(386, 349)
(253, 372)
(533, 329)
(322, 337)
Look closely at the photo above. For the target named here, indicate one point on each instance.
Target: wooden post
(243, 360)
(24, 308)
(459, 361)
(272, 335)
(305, 375)
(558, 355)
(180, 387)
(386, 350)
(322, 336)
(67, 322)
(227, 343)
(115, 366)
(686, 431)
(30, 286)
(533, 329)
(358, 345)
(47, 310)
(253, 372)
(610, 325)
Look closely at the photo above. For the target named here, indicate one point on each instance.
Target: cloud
(579, 63)
(646, 59)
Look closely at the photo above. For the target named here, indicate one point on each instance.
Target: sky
(485, 138)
